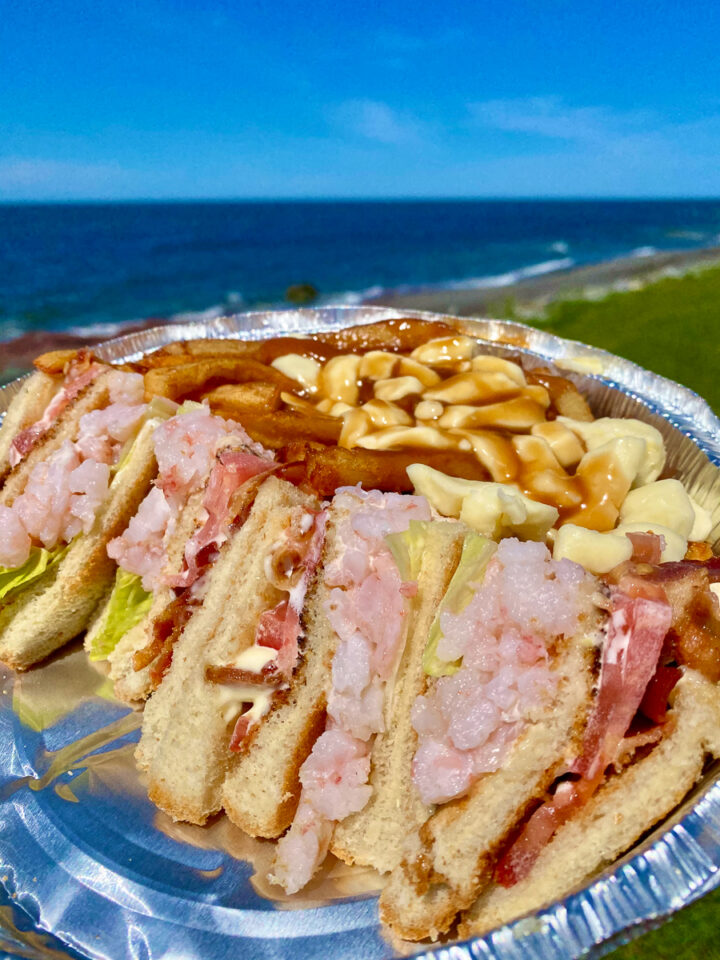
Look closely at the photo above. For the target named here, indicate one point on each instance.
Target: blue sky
(177, 98)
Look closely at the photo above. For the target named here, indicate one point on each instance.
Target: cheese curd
(305, 370)
(596, 552)
(665, 502)
(595, 433)
(703, 522)
(495, 510)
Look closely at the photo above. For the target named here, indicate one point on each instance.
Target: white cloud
(378, 121)
(596, 150)
(551, 117)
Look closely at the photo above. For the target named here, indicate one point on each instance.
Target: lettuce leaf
(127, 606)
(14, 580)
(476, 553)
(159, 409)
(407, 549)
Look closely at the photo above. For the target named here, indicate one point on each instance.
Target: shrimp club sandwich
(77, 457)
(201, 492)
(385, 568)
(532, 810)
(236, 633)
(654, 723)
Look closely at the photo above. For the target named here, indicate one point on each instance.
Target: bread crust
(262, 789)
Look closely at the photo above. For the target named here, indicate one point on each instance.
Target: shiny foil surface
(89, 867)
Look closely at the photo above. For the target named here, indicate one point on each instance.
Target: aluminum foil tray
(89, 868)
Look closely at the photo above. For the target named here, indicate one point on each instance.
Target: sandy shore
(527, 298)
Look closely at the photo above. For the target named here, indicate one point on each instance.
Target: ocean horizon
(96, 266)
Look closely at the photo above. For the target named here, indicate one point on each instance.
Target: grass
(692, 933)
(671, 327)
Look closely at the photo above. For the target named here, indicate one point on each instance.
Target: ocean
(99, 266)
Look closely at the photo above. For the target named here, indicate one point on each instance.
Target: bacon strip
(166, 631)
(242, 728)
(680, 569)
(279, 628)
(237, 675)
(694, 639)
(637, 629)
(274, 625)
(230, 471)
(74, 383)
(633, 742)
(655, 700)
(647, 547)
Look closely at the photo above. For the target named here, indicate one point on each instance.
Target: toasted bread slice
(262, 788)
(449, 861)
(628, 805)
(188, 721)
(26, 408)
(59, 604)
(374, 836)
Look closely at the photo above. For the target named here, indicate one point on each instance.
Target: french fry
(189, 379)
(564, 395)
(269, 350)
(278, 429)
(176, 348)
(169, 355)
(54, 362)
(190, 351)
(401, 335)
(154, 361)
(298, 450)
(328, 468)
(264, 351)
(393, 335)
(299, 404)
(232, 400)
(221, 348)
